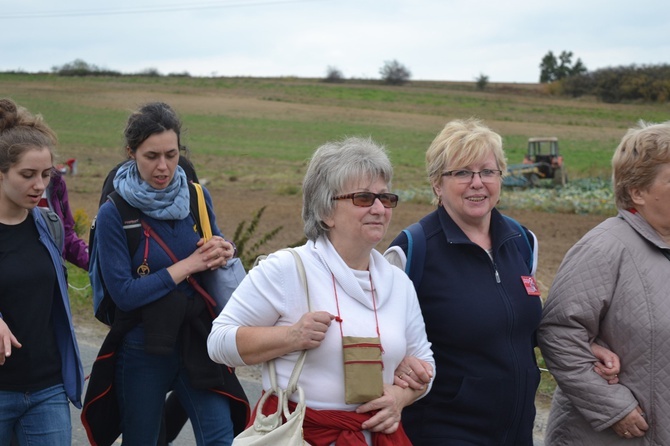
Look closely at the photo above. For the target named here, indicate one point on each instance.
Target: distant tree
(78, 67)
(552, 69)
(150, 72)
(333, 74)
(482, 82)
(394, 73)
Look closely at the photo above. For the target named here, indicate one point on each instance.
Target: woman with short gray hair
(354, 294)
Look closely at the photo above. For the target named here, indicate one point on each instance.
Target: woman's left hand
(217, 251)
(388, 406)
(608, 364)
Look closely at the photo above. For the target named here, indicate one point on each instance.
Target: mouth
(477, 199)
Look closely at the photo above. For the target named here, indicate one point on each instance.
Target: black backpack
(104, 307)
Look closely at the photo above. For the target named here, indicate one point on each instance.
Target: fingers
(385, 411)
(217, 251)
(311, 329)
(8, 341)
(632, 425)
(413, 373)
(605, 373)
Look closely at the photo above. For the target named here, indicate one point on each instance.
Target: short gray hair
(332, 167)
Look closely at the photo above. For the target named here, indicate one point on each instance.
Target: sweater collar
(380, 270)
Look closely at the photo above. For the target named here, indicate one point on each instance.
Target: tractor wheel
(560, 177)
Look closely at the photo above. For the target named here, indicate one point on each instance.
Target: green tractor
(542, 160)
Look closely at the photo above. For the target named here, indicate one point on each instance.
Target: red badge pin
(530, 285)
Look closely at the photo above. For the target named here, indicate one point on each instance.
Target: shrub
(333, 75)
(81, 222)
(394, 73)
(482, 82)
(78, 67)
(247, 250)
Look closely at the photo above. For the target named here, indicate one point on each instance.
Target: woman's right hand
(310, 330)
(7, 341)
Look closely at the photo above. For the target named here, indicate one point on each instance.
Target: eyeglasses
(466, 176)
(367, 199)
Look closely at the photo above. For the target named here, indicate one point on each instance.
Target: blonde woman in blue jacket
(40, 368)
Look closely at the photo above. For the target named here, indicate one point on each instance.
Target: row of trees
(392, 72)
(648, 83)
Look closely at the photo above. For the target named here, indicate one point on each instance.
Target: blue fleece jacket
(71, 367)
(481, 323)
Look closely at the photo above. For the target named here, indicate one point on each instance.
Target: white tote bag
(271, 430)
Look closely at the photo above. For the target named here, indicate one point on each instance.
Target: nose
(41, 183)
(162, 163)
(476, 179)
(377, 206)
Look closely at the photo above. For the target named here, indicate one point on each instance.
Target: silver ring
(626, 433)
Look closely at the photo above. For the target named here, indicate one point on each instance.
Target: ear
(130, 153)
(637, 196)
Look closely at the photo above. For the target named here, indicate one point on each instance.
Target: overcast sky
(453, 40)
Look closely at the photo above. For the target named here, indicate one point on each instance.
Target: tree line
(648, 83)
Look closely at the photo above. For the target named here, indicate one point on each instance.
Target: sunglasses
(367, 199)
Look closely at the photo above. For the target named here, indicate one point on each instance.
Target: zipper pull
(497, 275)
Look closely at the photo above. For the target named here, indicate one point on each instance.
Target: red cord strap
(209, 300)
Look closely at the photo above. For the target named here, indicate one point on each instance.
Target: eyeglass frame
(389, 196)
(450, 173)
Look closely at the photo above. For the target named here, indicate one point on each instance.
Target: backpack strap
(416, 249)
(524, 245)
(416, 252)
(54, 224)
(195, 209)
(130, 218)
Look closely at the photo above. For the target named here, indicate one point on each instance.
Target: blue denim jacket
(71, 369)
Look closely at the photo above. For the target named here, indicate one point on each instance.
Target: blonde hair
(459, 144)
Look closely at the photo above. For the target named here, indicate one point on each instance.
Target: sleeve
(210, 212)
(259, 301)
(415, 332)
(536, 248)
(579, 298)
(75, 249)
(127, 291)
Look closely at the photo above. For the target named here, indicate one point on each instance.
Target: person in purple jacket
(75, 250)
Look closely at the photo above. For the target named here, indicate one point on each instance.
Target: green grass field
(285, 119)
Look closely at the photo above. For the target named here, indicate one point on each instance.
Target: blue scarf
(171, 203)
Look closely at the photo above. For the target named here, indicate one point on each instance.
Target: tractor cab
(544, 155)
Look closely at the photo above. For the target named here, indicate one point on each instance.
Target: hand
(217, 251)
(7, 341)
(310, 330)
(413, 373)
(388, 407)
(632, 425)
(608, 365)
